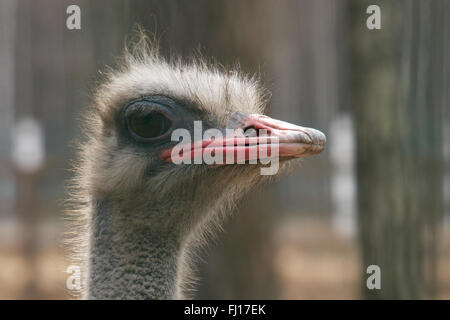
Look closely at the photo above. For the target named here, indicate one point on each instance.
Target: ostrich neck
(129, 261)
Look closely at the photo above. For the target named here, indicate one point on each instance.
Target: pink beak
(293, 142)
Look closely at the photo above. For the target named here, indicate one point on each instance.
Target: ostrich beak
(292, 141)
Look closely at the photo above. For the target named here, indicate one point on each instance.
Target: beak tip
(318, 137)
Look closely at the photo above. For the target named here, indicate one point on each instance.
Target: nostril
(251, 131)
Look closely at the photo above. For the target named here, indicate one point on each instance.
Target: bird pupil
(152, 125)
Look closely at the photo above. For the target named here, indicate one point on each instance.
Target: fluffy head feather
(183, 201)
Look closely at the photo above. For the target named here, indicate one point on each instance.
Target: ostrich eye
(152, 125)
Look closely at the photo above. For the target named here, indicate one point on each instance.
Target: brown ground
(312, 263)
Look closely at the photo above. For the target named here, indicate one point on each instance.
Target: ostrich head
(140, 212)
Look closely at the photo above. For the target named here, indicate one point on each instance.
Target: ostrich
(135, 215)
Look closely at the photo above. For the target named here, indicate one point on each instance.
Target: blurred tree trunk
(397, 80)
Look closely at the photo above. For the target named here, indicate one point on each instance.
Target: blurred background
(379, 193)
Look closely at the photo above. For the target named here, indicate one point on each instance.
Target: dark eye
(151, 125)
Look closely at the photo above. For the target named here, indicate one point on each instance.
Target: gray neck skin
(128, 261)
